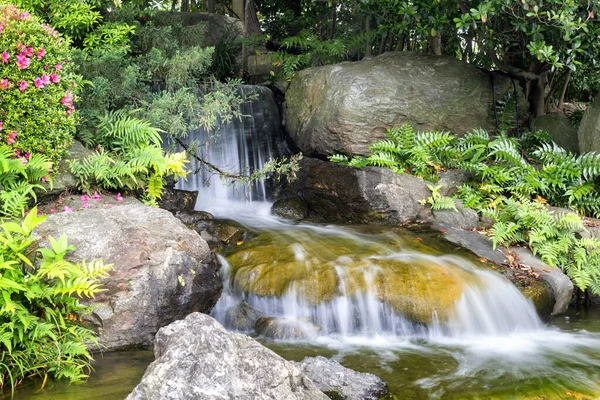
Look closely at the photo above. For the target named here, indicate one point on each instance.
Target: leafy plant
(20, 174)
(38, 85)
(437, 201)
(130, 157)
(40, 329)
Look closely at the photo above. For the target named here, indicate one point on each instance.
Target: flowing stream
(429, 319)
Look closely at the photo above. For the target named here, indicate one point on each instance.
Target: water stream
(429, 319)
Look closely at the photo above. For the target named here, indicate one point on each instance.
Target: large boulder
(342, 108)
(331, 377)
(162, 270)
(589, 129)
(560, 128)
(338, 193)
(196, 358)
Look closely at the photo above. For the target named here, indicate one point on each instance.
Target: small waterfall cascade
(239, 146)
(338, 283)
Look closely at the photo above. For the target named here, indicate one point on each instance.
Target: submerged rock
(331, 376)
(197, 359)
(286, 329)
(161, 271)
(343, 108)
(242, 317)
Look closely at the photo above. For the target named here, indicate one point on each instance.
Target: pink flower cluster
(45, 80)
(10, 139)
(67, 101)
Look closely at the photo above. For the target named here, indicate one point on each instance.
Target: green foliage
(130, 157)
(40, 329)
(37, 86)
(19, 176)
(554, 238)
(437, 201)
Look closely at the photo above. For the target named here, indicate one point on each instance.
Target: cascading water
(432, 325)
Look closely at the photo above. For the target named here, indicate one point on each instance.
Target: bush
(40, 332)
(38, 85)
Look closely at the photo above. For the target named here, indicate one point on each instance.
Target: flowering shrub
(37, 85)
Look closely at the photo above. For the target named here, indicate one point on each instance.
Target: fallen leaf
(419, 239)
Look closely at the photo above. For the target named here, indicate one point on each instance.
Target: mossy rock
(541, 295)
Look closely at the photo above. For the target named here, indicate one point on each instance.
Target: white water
(493, 336)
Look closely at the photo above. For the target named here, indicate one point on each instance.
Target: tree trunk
(382, 44)
(564, 88)
(251, 19)
(174, 5)
(369, 47)
(210, 6)
(536, 96)
(185, 5)
(435, 44)
(333, 21)
(296, 7)
(401, 43)
(238, 8)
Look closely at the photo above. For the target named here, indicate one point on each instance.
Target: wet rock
(242, 317)
(331, 376)
(228, 231)
(541, 296)
(462, 217)
(152, 253)
(178, 201)
(294, 208)
(342, 108)
(338, 193)
(196, 358)
(285, 329)
(559, 126)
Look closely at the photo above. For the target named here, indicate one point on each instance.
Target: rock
(462, 217)
(294, 208)
(228, 231)
(589, 128)
(286, 329)
(260, 66)
(540, 294)
(560, 285)
(242, 317)
(176, 200)
(559, 126)
(198, 220)
(64, 180)
(342, 108)
(450, 179)
(331, 376)
(338, 193)
(196, 358)
(152, 252)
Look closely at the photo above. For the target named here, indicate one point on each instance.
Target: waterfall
(240, 146)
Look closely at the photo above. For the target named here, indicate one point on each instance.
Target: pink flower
(38, 83)
(1, 29)
(1, 123)
(67, 209)
(18, 153)
(58, 67)
(45, 79)
(24, 161)
(96, 196)
(68, 99)
(25, 15)
(23, 86)
(87, 205)
(52, 210)
(4, 84)
(54, 78)
(108, 206)
(44, 179)
(29, 51)
(27, 155)
(11, 138)
(21, 47)
(46, 67)
(40, 54)
(23, 62)
(5, 57)
(84, 197)
(119, 197)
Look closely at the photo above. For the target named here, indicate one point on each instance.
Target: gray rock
(286, 328)
(339, 193)
(462, 217)
(589, 128)
(196, 358)
(152, 252)
(450, 179)
(176, 200)
(342, 108)
(331, 376)
(242, 317)
(294, 208)
(559, 283)
(64, 180)
(559, 126)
